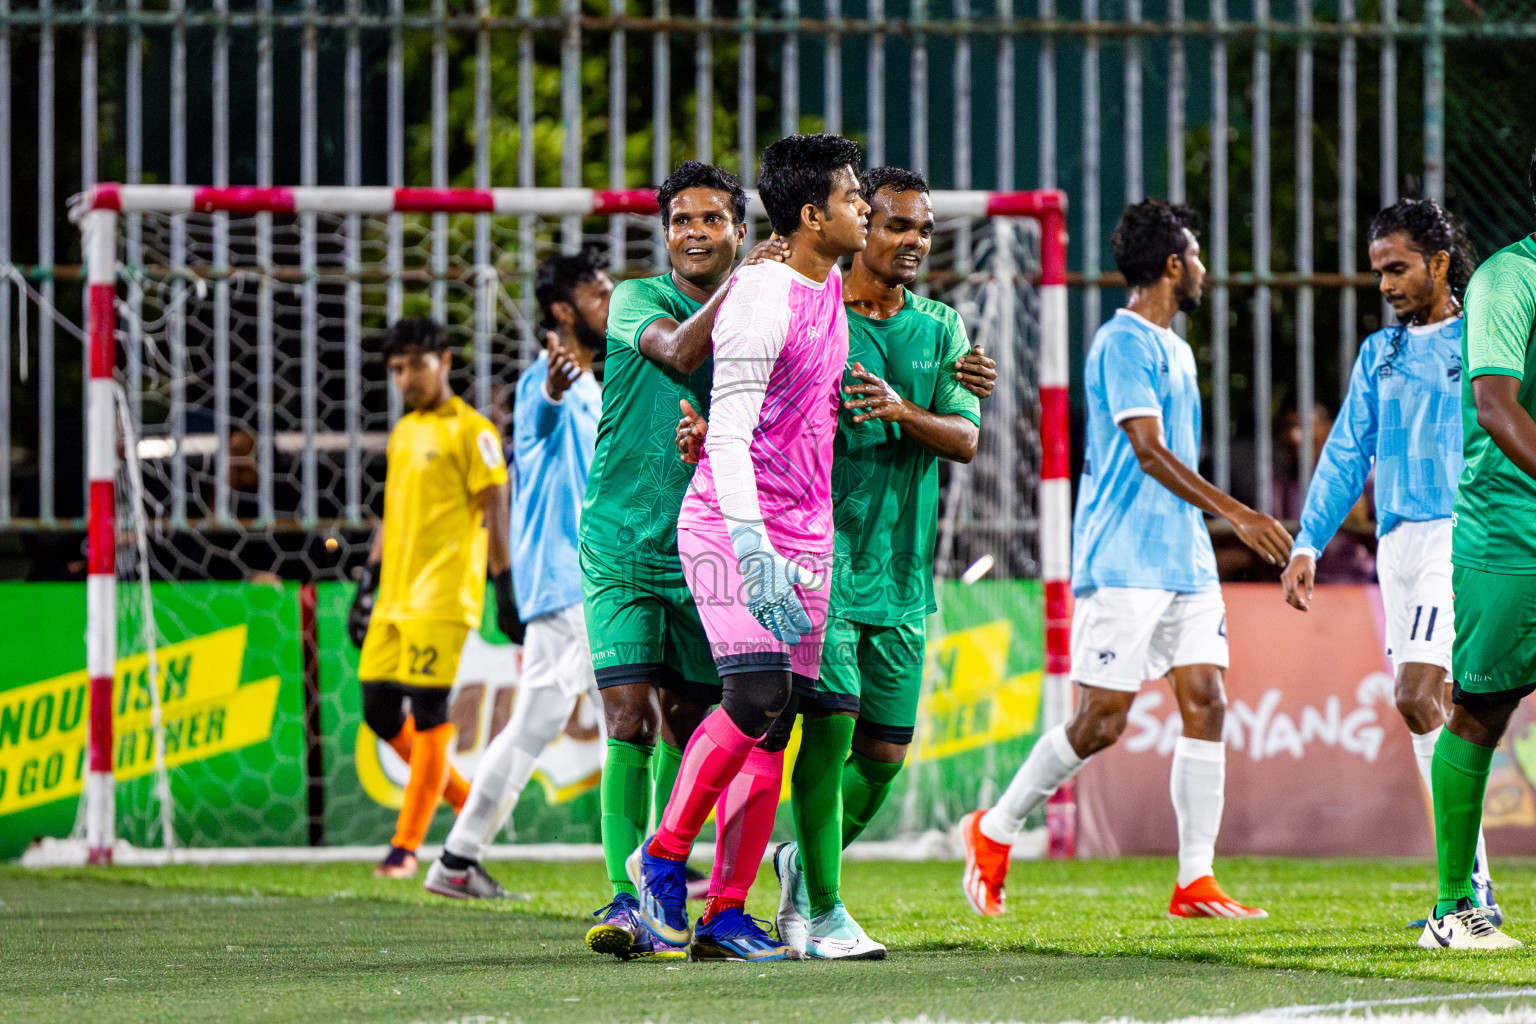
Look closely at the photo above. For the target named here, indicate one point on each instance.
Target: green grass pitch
(1081, 941)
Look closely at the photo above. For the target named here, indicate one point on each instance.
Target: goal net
(239, 411)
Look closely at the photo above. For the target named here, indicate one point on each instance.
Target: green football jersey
(636, 483)
(885, 487)
(1496, 501)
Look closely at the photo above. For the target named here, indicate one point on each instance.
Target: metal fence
(1286, 123)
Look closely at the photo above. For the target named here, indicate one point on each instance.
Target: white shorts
(1123, 636)
(555, 652)
(1413, 563)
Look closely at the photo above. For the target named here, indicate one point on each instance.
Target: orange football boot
(986, 866)
(1204, 898)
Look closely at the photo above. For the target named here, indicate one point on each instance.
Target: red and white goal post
(1014, 502)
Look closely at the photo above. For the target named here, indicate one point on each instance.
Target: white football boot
(835, 935)
(793, 918)
(1466, 927)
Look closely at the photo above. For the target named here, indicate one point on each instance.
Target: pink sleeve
(750, 330)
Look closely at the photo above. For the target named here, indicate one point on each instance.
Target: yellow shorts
(419, 652)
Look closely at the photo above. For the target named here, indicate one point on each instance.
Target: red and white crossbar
(98, 212)
(548, 201)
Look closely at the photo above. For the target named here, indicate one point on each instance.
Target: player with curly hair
(1402, 415)
(1143, 569)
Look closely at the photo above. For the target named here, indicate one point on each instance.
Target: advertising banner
(231, 682)
(978, 715)
(231, 701)
(365, 779)
(1319, 762)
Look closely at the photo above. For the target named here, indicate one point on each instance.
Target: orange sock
(456, 790)
(401, 743)
(429, 770)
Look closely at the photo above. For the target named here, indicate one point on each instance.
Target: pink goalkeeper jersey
(781, 343)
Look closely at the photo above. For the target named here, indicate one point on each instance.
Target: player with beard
(554, 427)
(652, 659)
(1143, 569)
(1402, 415)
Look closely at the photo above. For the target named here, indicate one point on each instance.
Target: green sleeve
(950, 396)
(633, 307)
(1501, 307)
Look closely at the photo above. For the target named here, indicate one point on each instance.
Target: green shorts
(643, 627)
(876, 671)
(1493, 659)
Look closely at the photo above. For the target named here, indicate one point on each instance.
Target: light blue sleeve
(539, 416)
(546, 414)
(1129, 365)
(1339, 478)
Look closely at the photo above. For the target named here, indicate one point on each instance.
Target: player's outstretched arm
(684, 346)
(1262, 533)
(495, 503)
(947, 435)
(1337, 482)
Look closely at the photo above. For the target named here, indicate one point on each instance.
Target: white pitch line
(1512, 1015)
(1361, 1004)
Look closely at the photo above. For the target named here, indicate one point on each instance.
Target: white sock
(1424, 754)
(505, 768)
(1198, 784)
(1051, 762)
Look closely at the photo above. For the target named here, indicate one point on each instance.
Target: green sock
(1460, 777)
(664, 768)
(816, 800)
(625, 799)
(866, 784)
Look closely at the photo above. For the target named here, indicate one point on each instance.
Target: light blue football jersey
(1128, 529)
(552, 445)
(1403, 413)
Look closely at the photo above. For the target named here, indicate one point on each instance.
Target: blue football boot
(663, 888)
(733, 934)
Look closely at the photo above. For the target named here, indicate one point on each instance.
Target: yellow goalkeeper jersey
(434, 532)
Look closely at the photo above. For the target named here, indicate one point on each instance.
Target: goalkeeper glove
(506, 607)
(362, 604)
(770, 581)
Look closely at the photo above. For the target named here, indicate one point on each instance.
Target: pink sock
(712, 759)
(744, 823)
